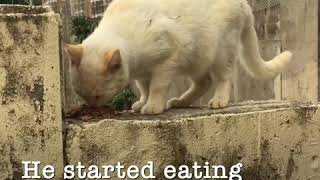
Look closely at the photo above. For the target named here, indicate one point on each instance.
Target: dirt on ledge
(92, 115)
(86, 113)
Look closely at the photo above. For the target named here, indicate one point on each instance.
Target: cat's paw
(217, 103)
(137, 106)
(176, 103)
(152, 109)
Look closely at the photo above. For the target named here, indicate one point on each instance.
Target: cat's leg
(143, 86)
(198, 87)
(222, 95)
(158, 90)
(222, 71)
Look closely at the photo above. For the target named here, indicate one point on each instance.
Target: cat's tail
(253, 62)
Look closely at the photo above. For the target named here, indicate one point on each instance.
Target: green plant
(82, 27)
(124, 100)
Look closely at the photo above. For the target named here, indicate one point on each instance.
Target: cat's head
(96, 76)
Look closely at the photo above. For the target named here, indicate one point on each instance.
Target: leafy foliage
(22, 2)
(124, 100)
(82, 27)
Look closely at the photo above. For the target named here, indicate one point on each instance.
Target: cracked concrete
(267, 137)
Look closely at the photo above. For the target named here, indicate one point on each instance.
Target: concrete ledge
(273, 140)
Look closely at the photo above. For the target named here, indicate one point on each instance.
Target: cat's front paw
(137, 106)
(152, 109)
(217, 103)
(176, 103)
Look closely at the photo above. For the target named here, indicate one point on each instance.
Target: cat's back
(177, 7)
(188, 21)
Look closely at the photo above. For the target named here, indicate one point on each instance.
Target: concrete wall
(300, 34)
(273, 140)
(30, 102)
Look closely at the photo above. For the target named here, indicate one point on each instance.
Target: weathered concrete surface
(300, 35)
(273, 140)
(30, 110)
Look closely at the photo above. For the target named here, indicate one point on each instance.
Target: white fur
(161, 39)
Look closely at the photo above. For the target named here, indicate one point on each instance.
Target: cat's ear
(75, 53)
(112, 60)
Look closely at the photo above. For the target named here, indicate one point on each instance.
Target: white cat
(153, 41)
